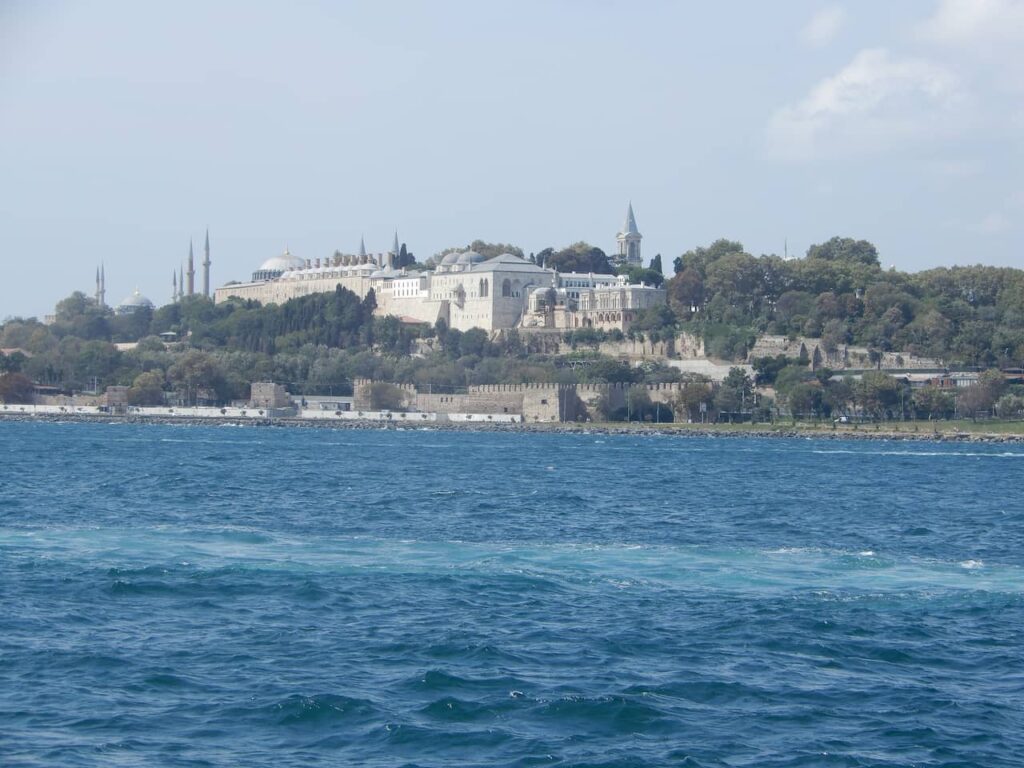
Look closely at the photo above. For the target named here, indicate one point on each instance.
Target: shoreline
(634, 428)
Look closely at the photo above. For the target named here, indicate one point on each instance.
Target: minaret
(629, 241)
(181, 282)
(98, 298)
(206, 265)
(191, 271)
(395, 250)
(174, 287)
(362, 247)
(103, 285)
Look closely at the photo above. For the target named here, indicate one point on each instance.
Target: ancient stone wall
(844, 357)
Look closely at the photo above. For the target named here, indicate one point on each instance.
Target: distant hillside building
(465, 290)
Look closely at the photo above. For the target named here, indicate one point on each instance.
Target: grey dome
(136, 300)
(451, 258)
(283, 263)
(470, 257)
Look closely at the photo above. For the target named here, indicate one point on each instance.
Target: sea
(266, 596)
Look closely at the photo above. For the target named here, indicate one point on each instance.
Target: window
(506, 288)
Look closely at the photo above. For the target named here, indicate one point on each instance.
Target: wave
(926, 454)
(139, 560)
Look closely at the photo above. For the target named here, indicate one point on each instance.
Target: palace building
(465, 289)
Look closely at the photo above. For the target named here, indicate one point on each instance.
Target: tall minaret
(181, 282)
(174, 286)
(629, 241)
(362, 247)
(206, 265)
(99, 298)
(191, 271)
(394, 251)
(103, 285)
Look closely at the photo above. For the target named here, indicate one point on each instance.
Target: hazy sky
(126, 128)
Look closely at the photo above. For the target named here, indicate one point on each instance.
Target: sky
(128, 128)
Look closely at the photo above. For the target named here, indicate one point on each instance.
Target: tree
(638, 402)
(933, 403)
(194, 372)
(845, 249)
(1010, 407)
(15, 388)
(147, 389)
(877, 393)
(734, 393)
(386, 397)
(686, 292)
(692, 395)
(656, 263)
(637, 275)
(579, 257)
(700, 257)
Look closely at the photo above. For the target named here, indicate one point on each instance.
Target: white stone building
(465, 290)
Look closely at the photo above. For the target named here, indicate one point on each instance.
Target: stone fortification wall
(590, 395)
(843, 357)
(637, 349)
(534, 402)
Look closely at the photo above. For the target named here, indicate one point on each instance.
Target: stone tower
(629, 242)
(191, 274)
(206, 265)
(101, 287)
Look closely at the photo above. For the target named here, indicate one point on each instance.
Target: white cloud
(823, 26)
(875, 101)
(970, 22)
(986, 35)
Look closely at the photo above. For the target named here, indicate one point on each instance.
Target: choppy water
(216, 596)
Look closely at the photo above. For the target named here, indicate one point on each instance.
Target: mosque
(136, 301)
(465, 289)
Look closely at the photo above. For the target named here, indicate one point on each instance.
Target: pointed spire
(191, 270)
(206, 265)
(395, 247)
(630, 228)
(174, 286)
(362, 247)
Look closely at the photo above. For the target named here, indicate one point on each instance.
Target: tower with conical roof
(101, 287)
(206, 265)
(191, 270)
(629, 242)
(181, 282)
(174, 286)
(362, 247)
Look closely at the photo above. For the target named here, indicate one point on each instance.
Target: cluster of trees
(839, 292)
(877, 395)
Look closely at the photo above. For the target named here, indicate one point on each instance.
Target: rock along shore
(666, 430)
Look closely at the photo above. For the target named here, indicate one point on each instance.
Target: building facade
(464, 290)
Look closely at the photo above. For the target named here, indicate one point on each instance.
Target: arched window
(506, 288)
(483, 287)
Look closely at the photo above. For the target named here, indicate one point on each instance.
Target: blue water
(214, 596)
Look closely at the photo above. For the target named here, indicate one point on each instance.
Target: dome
(470, 258)
(451, 258)
(283, 263)
(136, 300)
(133, 303)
